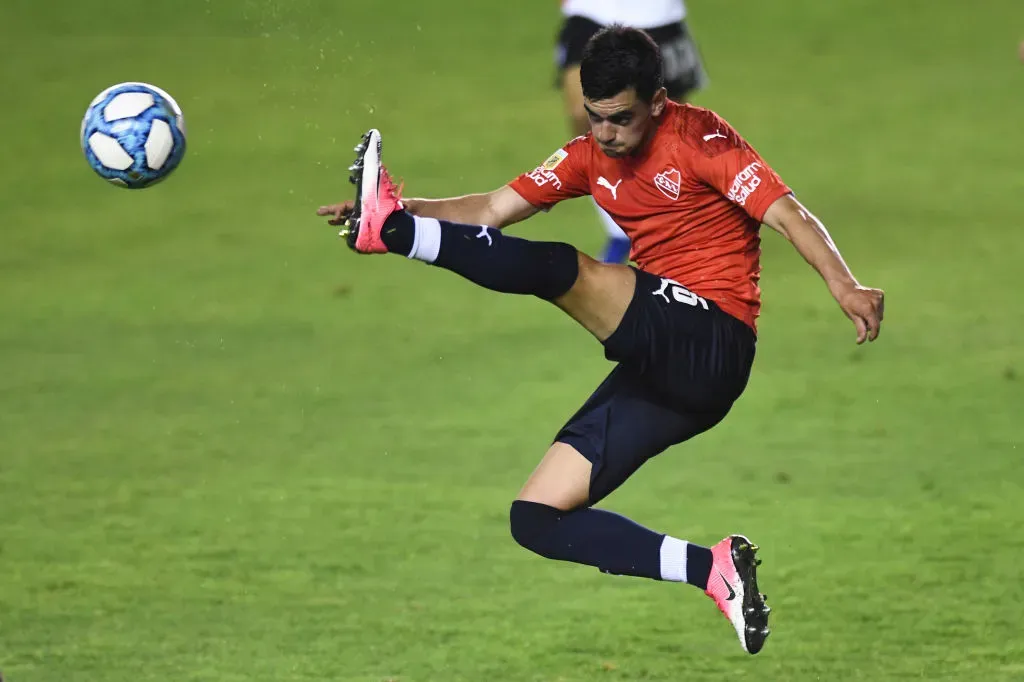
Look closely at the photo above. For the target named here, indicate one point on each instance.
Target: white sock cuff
(426, 243)
(673, 559)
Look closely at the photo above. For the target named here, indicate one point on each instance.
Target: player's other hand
(339, 212)
(865, 307)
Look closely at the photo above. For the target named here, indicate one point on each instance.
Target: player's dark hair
(617, 58)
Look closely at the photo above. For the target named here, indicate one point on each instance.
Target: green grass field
(232, 450)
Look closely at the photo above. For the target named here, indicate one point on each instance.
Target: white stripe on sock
(415, 238)
(673, 559)
(427, 242)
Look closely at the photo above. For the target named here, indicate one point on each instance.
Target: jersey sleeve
(726, 162)
(564, 175)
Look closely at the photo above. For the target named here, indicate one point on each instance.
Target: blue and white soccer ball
(133, 135)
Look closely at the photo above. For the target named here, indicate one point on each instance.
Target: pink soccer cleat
(377, 197)
(733, 586)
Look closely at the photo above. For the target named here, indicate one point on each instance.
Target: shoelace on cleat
(389, 184)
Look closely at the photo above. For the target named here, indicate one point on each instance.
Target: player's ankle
(685, 562)
(399, 233)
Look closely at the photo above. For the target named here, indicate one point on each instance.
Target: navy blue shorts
(681, 364)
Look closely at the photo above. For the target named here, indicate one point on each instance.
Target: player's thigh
(620, 427)
(572, 39)
(572, 95)
(561, 480)
(600, 296)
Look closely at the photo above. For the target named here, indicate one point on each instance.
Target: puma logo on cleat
(484, 233)
(732, 592)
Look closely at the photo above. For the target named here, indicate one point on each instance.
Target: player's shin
(484, 255)
(611, 542)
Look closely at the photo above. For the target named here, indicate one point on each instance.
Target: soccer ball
(133, 135)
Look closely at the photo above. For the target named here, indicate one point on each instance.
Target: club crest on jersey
(555, 159)
(668, 182)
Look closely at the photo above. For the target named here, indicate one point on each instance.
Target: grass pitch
(232, 450)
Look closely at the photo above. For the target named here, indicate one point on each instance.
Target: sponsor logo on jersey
(541, 176)
(668, 182)
(555, 159)
(744, 184)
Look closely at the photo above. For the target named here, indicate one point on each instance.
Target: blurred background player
(665, 22)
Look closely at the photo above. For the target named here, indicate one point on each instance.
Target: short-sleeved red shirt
(691, 202)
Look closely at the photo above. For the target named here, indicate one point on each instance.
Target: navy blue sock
(491, 259)
(595, 537)
(399, 233)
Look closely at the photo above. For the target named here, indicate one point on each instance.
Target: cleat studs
(757, 562)
(754, 547)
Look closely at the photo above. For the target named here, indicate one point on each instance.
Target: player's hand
(865, 307)
(339, 212)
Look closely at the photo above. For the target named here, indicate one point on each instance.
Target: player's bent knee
(557, 268)
(530, 523)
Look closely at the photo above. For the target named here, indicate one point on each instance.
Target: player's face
(623, 123)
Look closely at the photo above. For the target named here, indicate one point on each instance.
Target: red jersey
(691, 202)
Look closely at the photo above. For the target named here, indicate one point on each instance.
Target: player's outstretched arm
(499, 208)
(863, 305)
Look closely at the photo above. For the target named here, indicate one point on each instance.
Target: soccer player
(665, 22)
(691, 193)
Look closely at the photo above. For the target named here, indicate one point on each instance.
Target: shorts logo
(484, 234)
(680, 293)
(555, 159)
(542, 176)
(668, 182)
(744, 184)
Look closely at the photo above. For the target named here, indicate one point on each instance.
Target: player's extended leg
(616, 249)
(594, 294)
(552, 516)
(615, 432)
